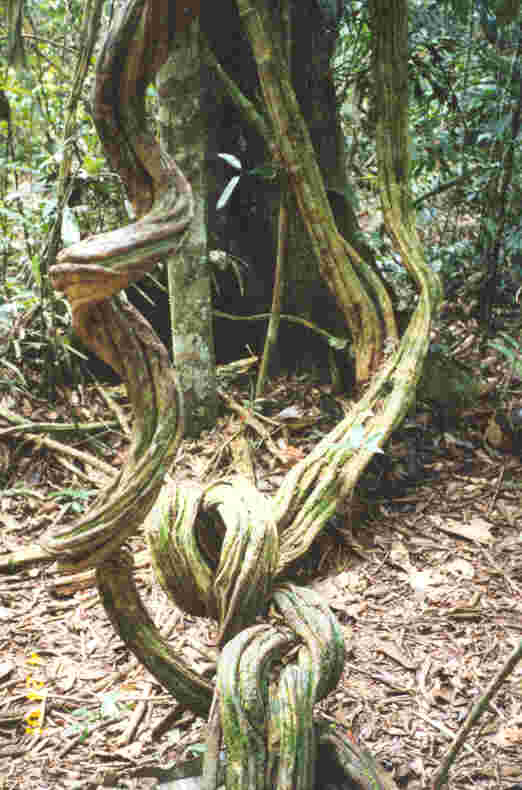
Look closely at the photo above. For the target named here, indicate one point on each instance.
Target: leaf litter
(426, 582)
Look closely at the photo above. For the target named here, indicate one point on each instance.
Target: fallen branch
(82, 475)
(254, 423)
(12, 562)
(9, 563)
(21, 424)
(441, 774)
(85, 458)
(52, 444)
(35, 427)
(63, 585)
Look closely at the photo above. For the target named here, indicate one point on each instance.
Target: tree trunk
(183, 132)
(249, 229)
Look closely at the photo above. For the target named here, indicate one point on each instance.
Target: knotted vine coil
(216, 551)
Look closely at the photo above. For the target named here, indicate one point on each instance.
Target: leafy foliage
(465, 156)
(34, 102)
(466, 162)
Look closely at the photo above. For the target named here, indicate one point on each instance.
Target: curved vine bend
(268, 732)
(91, 272)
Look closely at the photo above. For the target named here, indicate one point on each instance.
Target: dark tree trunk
(246, 227)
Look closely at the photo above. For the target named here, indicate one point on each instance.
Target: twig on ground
(86, 458)
(441, 774)
(254, 423)
(137, 715)
(21, 424)
(116, 408)
(82, 475)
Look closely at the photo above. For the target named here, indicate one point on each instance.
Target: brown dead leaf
(390, 649)
(441, 693)
(510, 771)
(5, 669)
(11, 523)
(399, 555)
(509, 513)
(476, 528)
(460, 567)
(356, 609)
(291, 455)
(333, 592)
(510, 735)
(65, 676)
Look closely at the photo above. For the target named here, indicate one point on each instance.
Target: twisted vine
(91, 273)
(216, 552)
(94, 270)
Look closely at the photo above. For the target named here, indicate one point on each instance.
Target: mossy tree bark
(184, 133)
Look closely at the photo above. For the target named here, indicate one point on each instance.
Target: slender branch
(448, 185)
(50, 427)
(441, 774)
(64, 449)
(54, 44)
(278, 294)
(339, 343)
(85, 458)
(251, 114)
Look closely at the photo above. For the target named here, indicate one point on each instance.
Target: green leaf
(232, 160)
(227, 192)
(339, 343)
(92, 164)
(267, 172)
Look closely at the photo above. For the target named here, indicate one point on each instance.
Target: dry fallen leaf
(460, 567)
(399, 555)
(65, 676)
(421, 580)
(510, 735)
(476, 528)
(441, 693)
(391, 650)
(356, 609)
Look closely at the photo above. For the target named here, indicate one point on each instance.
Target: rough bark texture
(94, 270)
(183, 131)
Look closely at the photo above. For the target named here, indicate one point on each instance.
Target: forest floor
(424, 574)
